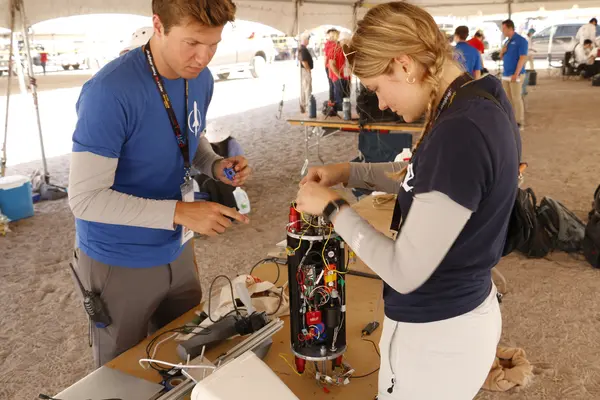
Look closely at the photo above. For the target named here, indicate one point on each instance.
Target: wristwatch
(333, 207)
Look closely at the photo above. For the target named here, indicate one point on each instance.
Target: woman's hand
(313, 198)
(328, 175)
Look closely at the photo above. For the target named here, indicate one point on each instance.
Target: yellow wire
(324, 246)
(309, 224)
(289, 364)
(299, 243)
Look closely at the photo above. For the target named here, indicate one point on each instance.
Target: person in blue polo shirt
(455, 196)
(468, 55)
(139, 138)
(514, 57)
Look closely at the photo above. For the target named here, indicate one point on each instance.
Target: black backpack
(525, 232)
(591, 240)
(565, 229)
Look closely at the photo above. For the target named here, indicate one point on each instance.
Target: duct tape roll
(172, 382)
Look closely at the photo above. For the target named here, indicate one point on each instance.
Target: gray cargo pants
(138, 300)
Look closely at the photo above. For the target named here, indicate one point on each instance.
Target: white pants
(447, 359)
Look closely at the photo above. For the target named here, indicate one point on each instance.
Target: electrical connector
(370, 328)
(229, 173)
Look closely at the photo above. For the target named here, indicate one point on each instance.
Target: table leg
(305, 166)
(319, 132)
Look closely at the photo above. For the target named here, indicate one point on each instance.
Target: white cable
(161, 342)
(317, 288)
(168, 364)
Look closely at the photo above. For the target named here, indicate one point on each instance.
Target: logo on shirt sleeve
(410, 175)
(195, 120)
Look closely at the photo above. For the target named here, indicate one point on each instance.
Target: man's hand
(206, 218)
(514, 78)
(239, 165)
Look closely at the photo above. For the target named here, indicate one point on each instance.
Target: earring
(409, 80)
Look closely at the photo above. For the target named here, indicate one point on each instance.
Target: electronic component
(93, 305)
(316, 268)
(313, 317)
(295, 223)
(229, 173)
(370, 328)
(333, 316)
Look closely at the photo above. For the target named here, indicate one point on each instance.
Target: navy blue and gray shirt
(455, 201)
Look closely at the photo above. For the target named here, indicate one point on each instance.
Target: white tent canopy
(281, 14)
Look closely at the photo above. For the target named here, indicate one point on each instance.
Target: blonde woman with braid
(442, 319)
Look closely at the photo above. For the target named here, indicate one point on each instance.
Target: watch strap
(332, 207)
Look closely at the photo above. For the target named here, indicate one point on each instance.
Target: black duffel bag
(525, 232)
(591, 240)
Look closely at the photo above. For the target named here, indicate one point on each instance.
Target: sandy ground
(552, 309)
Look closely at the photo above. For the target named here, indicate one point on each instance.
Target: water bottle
(347, 109)
(242, 201)
(312, 109)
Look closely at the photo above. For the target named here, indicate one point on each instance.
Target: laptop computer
(107, 383)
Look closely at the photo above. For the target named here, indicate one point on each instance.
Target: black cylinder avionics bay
(317, 286)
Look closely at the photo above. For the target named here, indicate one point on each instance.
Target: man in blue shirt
(514, 56)
(468, 55)
(138, 139)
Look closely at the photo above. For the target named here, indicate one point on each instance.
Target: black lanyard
(182, 141)
(445, 102)
(450, 93)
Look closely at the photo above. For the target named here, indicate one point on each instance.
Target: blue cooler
(15, 197)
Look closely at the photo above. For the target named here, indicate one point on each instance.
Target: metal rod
(298, 51)
(33, 86)
(3, 160)
(256, 339)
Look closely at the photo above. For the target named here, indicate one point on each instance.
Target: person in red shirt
(477, 42)
(332, 38)
(44, 60)
(341, 82)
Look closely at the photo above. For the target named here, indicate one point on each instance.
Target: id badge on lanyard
(187, 188)
(187, 196)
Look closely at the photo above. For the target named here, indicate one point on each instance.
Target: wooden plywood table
(364, 305)
(316, 128)
(362, 302)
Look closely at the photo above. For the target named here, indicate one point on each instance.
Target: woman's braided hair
(393, 29)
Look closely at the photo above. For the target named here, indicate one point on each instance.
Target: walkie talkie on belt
(93, 305)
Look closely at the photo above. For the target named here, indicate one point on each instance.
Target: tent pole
(298, 51)
(3, 160)
(47, 190)
(33, 86)
(509, 9)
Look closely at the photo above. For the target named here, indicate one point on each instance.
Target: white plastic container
(242, 200)
(404, 156)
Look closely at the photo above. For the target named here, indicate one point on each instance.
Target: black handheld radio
(93, 305)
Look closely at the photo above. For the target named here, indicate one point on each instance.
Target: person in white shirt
(530, 49)
(585, 56)
(587, 31)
